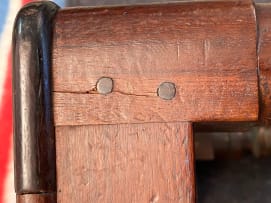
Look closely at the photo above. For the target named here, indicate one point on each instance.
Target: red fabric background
(6, 126)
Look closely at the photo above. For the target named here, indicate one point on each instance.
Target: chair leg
(151, 162)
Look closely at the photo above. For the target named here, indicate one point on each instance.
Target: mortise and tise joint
(166, 90)
(104, 85)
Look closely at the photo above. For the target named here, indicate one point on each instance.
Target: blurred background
(231, 167)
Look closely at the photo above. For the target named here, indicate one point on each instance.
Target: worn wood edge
(192, 156)
(34, 141)
(37, 198)
(263, 14)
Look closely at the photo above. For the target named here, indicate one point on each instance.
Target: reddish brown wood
(264, 51)
(36, 198)
(208, 49)
(125, 163)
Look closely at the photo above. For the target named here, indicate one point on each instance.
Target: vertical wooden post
(35, 175)
(126, 163)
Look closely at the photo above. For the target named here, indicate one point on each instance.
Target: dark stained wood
(125, 163)
(32, 105)
(208, 49)
(36, 198)
(264, 51)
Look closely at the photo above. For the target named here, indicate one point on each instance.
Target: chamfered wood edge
(34, 141)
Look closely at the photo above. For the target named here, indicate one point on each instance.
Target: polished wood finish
(125, 163)
(32, 105)
(36, 198)
(264, 50)
(207, 49)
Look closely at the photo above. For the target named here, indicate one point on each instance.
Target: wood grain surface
(208, 49)
(100, 3)
(264, 50)
(36, 198)
(125, 163)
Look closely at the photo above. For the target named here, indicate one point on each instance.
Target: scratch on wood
(178, 51)
(206, 48)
